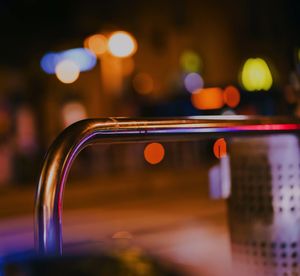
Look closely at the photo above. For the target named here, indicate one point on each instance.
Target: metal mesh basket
(264, 206)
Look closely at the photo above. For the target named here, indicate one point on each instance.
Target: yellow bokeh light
(122, 44)
(190, 61)
(97, 44)
(67, 71)
(256, 75)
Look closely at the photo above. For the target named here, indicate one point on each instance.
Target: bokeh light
(256, 75)
(193, 81)
(49, 62)
(67, 71)
(72, 112)
(220, 148)
(97, 44)
(190, 61)
(232, 96)
(122, 44)
(154, 153)
(84, 59)
(143, 83)
(228, 112)
(208, 98)
(25, 130)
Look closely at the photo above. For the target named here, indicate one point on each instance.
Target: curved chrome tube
(59, 159)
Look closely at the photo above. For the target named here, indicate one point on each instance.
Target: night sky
(31, 28)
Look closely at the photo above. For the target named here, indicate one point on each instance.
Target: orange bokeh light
(143, 83)
(220, 148)
(232, 96)
(208, 98)
(97, 44)
(154, 153)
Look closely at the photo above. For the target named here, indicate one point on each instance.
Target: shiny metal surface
(59, 159)
(264, 206)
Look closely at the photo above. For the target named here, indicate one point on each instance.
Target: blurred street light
(208, 98)
(67, 71)
(220, 148)
(83, 58)
(122, 44)
(143, 83)
(256, 75)
(232, 96)
(72, 112)
(154, 153)
(97, 44)
(192, 82)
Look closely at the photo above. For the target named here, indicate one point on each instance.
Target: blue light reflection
(84, 58)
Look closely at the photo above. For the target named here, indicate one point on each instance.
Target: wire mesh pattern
(264, 206)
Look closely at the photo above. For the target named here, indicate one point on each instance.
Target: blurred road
(167, 214)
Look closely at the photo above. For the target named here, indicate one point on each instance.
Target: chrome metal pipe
(59, 159)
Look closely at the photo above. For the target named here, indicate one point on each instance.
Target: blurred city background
(63, 61)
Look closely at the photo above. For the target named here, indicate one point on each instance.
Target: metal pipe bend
(59, 159)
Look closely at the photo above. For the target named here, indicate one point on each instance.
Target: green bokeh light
(190, 61)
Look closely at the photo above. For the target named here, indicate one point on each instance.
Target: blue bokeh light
(49, 61)
(193, 81)
(84, 58)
